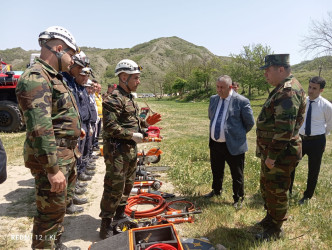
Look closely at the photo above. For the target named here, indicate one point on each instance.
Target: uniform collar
(48, 68)
(123, 92)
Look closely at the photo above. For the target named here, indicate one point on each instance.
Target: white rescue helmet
(58, 32)
(81, 59)
(127, 66)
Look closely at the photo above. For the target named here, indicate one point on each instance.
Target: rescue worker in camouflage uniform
(278, 141)
(52, 131)
(122, 131)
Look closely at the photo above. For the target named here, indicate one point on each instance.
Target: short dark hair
(235, 84)
(318, 80)
(94, 80)
(109, 85)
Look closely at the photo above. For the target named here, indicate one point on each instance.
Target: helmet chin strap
(58, 55)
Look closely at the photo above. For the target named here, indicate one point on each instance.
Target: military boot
(120, 213)
(90, 167)
(89, 172)
(265, 223)
(84, 177)
(79, 201)
(106, 230)
(273, 232)
(79, 190)
(60, 246)
(81, 184)
(73, 209)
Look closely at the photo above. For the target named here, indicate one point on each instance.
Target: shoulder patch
(288, 84)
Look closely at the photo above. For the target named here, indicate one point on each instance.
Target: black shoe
(211, 194)
(79, 201)
(73, 209)
(60, 246)
(80, 190)
(238, 204)
(265, 222)
(89, 172)
(303, 200)
(84, 177)
(274, 232)
(106, 230)
(96, 148)
(120, 213)
(81, 184)
(63, 247)
(92, 160)
(91, 167)
(95, 157)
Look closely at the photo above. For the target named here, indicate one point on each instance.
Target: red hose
(160, 205)
(162, 246)
(158, 201)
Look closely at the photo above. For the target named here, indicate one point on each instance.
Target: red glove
(153, 119)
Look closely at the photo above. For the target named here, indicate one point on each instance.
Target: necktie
(218, 122)
(308, 120)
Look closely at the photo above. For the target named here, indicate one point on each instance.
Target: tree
(319, 40)
(179, 85)
(244, 68)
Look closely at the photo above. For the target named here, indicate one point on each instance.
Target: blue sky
(223, 27)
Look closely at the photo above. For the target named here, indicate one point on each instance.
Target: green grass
(185, 127)
(13, 143)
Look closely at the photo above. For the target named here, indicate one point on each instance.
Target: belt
(265, 134)
(122, 141)
(68, 143)
(312, 137)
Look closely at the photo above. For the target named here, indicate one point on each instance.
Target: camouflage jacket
(121, 115)
(51, 117)
(279, 121)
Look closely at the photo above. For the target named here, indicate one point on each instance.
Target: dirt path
(17, 207)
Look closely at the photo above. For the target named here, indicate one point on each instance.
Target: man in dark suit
(231, 118)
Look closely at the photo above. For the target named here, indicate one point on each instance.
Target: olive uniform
(120, 120)
(278, 138)
(52, 131)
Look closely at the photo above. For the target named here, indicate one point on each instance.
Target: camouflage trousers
(274, 184)
(51, 207)
(121, 161)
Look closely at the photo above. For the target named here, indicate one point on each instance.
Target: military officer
(52, 131)
(278, 141)
(122, 131)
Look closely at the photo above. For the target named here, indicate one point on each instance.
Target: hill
(156, 57)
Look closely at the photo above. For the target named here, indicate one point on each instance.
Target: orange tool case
(141, 238)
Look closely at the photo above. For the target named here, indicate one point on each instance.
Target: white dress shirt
(222, 132)
(321, 117)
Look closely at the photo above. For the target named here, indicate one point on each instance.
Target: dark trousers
(89, 143)
(3, 163)
(314, 148)
(219, 154)
(81, 164)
